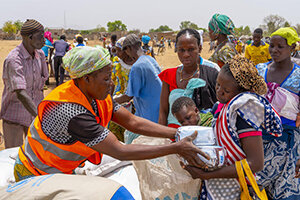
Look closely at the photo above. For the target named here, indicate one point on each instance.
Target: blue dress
(281, 154)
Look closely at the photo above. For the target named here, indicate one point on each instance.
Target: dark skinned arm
(27, 102)
(112, 147)
(123, 99)
(253, 148)
(164, 104)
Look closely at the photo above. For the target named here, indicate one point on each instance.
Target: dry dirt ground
(167, 60)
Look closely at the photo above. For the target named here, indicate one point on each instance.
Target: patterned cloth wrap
(225, 53)
(221, 24)
(85, 60)
(258, 113)
(284, 102)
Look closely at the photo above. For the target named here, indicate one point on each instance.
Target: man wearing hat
(144, 85)
(24, 74)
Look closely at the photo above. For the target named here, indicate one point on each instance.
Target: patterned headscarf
(289, 34)
(85, 60)
(31, 26)
(120, 41)
(246, 75)
(47, 35)
(221, 24)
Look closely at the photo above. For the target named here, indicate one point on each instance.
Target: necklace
(183, 79)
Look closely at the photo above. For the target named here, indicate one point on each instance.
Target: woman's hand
(189, 151)
(297, 171)
(195, 172)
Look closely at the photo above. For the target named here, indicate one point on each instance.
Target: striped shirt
(22, 72)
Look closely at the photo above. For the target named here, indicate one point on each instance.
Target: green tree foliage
(188, 24)
(116, 26)
(9, 27)
(242, 31)
(273, 22)
(18, 24)
(161, 28)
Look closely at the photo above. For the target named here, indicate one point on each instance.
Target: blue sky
(143, 15)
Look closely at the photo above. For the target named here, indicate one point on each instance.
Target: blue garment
(47, 46)
(291, 82)
(122, 194)
(61, 47)
(80, 45)
(144, 86)
(281, 154)
(209, 63)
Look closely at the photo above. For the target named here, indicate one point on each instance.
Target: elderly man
(24, 74)
(72, 120)
(144, 85)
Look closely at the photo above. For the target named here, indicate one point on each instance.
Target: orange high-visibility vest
(41, 155)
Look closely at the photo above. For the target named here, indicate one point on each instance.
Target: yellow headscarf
(289, 34)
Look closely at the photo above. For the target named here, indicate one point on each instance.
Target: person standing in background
(24, 74)
(48, 45)
(258, 51)
(61, 47)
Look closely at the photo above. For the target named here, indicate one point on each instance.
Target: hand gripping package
(207, 142)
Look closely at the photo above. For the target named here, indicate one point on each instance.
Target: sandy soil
(167, 60)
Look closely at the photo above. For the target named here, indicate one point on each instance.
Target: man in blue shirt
(144, 85)
(61, 47)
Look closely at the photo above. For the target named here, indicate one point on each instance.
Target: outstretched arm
(112, 147)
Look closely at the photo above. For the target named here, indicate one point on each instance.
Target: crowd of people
(251, 101)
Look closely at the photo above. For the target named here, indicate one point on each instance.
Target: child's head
(236, 76)
(185, 111)
(257, 36)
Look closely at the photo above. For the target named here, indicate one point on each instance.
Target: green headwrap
(289, 34)
(221, 24)
(85, 60)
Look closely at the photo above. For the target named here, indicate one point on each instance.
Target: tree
(273, 22)
(188, 24)
(247, 31)
(18, 24)
(161, 28)
(100, 28)
(116, 26)
(242, 31)
(9, 27)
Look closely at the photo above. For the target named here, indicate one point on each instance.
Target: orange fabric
(67, 92)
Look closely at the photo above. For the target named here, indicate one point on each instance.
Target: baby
(185, 111)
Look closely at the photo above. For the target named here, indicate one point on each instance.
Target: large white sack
(119, 171)
(127, 176)
(7, 162)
